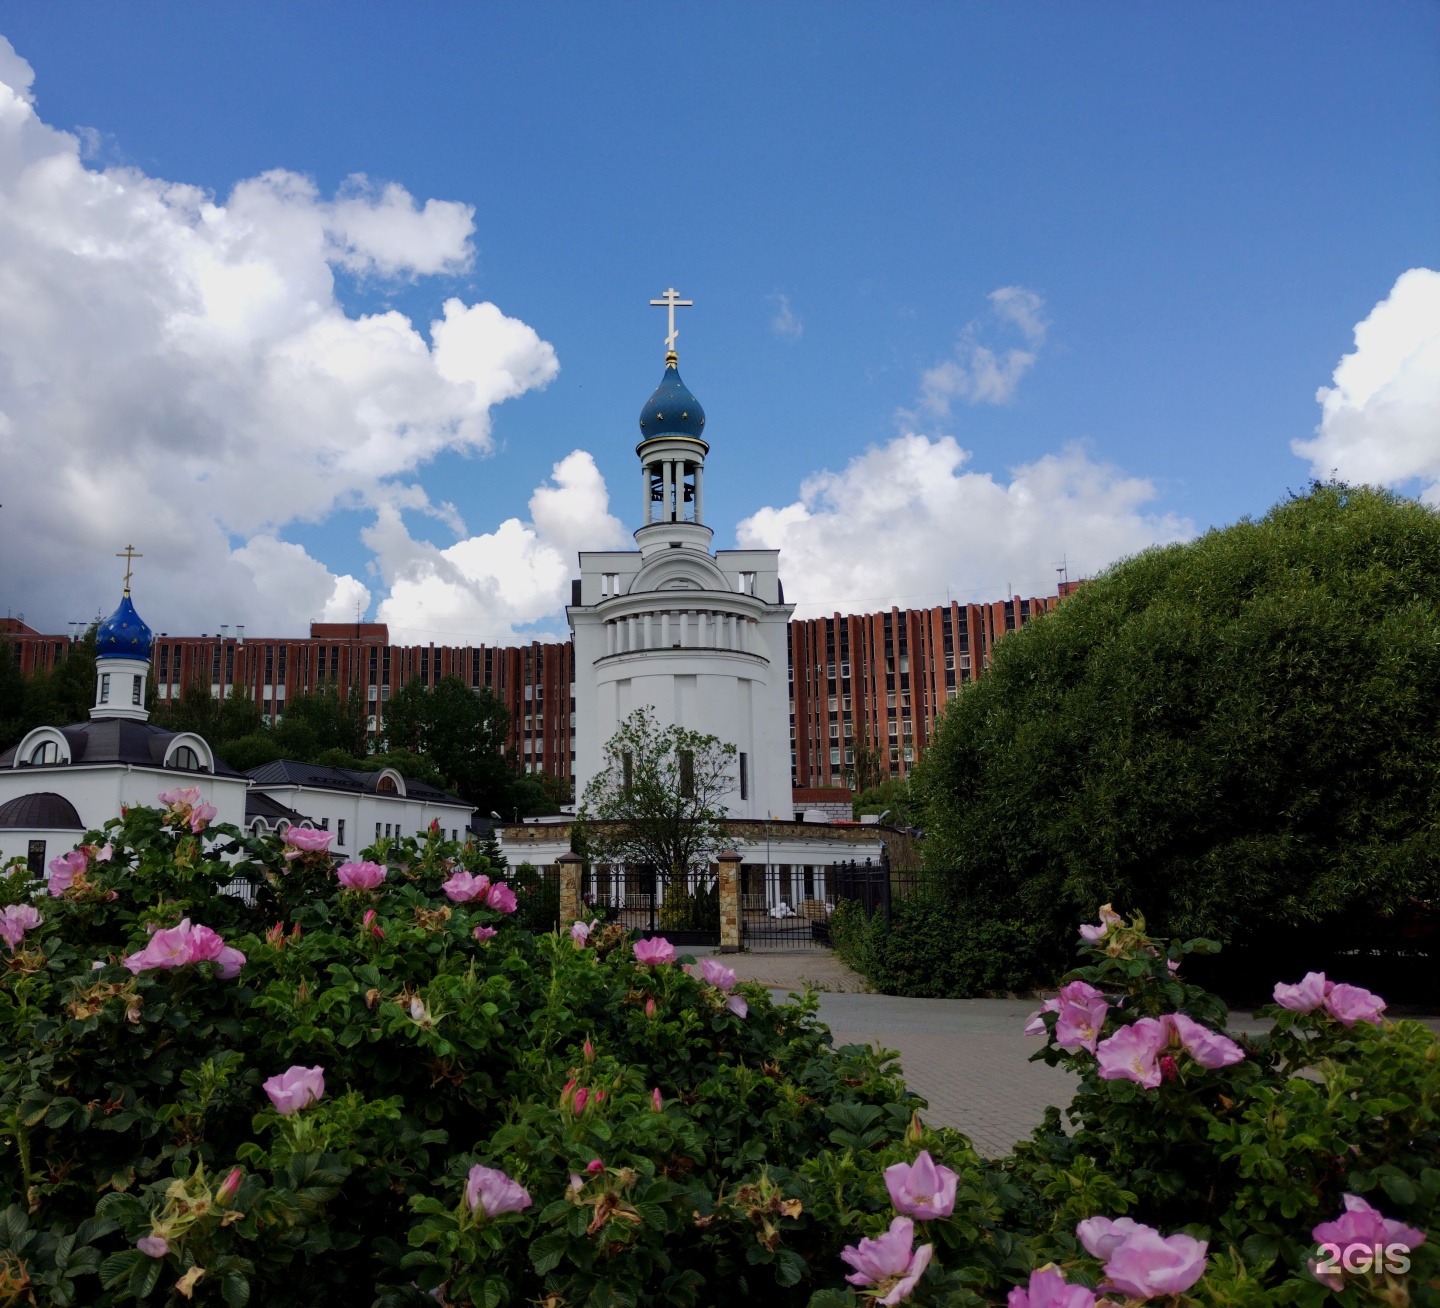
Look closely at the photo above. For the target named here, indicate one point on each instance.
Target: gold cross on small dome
(129, 554)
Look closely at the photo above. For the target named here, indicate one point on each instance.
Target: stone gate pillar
(572, 867)
(729, 887)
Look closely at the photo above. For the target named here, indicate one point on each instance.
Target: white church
(701, 638)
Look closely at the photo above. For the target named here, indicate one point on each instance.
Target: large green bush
(1241, 733)
(929, 950)
(724, 1152)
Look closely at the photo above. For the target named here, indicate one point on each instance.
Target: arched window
(385, 786)
(185, 759)
(47, 751)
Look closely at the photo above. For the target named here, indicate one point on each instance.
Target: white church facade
(698, 637)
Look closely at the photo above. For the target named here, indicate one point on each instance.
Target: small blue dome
(123, 635)
(672, 410)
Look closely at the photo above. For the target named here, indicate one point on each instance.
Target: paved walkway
(966, 1057)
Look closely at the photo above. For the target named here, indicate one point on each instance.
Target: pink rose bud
(582, 1097)
(599, 1096)
(656, 1102)
(1167, 1068)
(153, 1246)
(589, 1050)
(275, 937)
(229, 1187)
(577, 1182)
(595, 1166)
(567, 1093)
(649, 1008)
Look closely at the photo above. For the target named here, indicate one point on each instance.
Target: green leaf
(235, 1290)
(546, 1252)
(790, 1268)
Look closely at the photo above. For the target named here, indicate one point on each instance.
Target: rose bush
(385, 1090)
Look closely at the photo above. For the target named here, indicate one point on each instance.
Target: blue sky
(1205, 201)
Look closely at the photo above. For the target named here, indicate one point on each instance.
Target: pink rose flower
(737, 1005)
(1074, 992)
(1304, 996)
(1349, 1004)
(1108, 919)
(15, 921)
(1101, 1236)
(1148, 1265)
(491, 1192)
(1048, 1289)
(153, 1246)
(501, 898)
(1361, 1225)
(64, 870)
(206, 946)
(580, 933)
(717, 974)
(464, 886)
(305, 840)
(654, 951)
(887, 1262)
(484, 933)
(1208, 1048)
(168, 948)
(295, 1088)
(921, 1189)
(180, 797)
(201, 816)
(1130, 1053)
(1078, 1025)
(1035, 1023)
(359, 876)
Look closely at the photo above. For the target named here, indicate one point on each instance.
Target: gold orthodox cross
(130, 554)
(671, 300)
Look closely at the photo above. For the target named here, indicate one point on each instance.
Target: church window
(185, 759)
(744, 776)
(104, 687)
(340, 832)
(35, 857)
(377, 831)
(45, 752)
(134, 690)
(747, 583)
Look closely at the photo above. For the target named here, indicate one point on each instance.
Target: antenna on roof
(1064, 567)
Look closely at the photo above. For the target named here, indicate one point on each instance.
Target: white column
(665, 629)
(667, 470)
(699, 468)
(645, 490)
(609, 637)
(649, 642)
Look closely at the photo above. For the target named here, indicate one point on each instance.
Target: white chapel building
(700, 637)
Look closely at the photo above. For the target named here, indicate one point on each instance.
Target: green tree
(1240, 732)
(463, 732)
(323, 720)
(12, 696)
(658, 800)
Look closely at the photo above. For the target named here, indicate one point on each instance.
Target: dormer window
(385, 786)
(47, 751)
(185, 759)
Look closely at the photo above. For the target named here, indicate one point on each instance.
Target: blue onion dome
(123, 635)
(672, 410)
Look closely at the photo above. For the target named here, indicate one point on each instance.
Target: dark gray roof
(291, 772)
(259, 804)
(44, 810)
(116, 740)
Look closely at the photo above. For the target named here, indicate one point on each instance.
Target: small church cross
(671, 300)
(129, 554)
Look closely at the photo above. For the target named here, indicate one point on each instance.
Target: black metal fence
(685, 913)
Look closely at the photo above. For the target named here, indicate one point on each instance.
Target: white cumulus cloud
(1380, 421)
(487, 586)
(904, 522)
(176, 371)
(979, 374)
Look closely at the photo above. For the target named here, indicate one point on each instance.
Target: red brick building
(873, 682)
